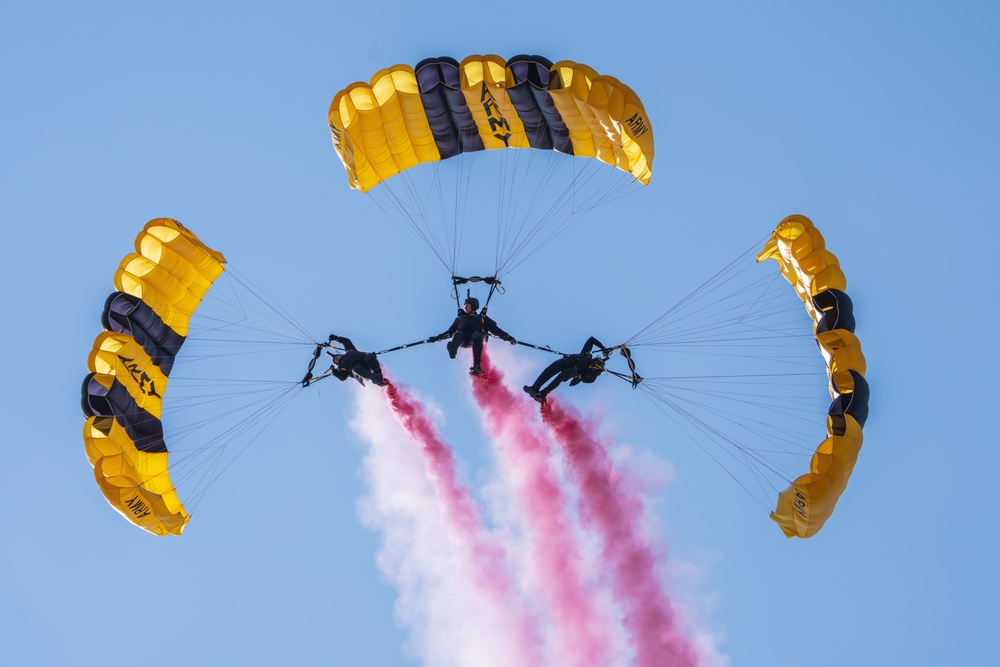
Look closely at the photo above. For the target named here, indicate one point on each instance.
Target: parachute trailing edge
(146, 321)
(815, 272)
(441, 108)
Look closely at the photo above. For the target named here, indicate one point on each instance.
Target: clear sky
(877, 120)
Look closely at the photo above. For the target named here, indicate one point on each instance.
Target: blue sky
(877, 120)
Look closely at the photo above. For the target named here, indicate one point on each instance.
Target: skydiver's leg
(550, 371)
(375, 368)
(361, 369)
(566, 374)
(477, 347)
(460, 339)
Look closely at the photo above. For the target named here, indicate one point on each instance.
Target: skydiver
(354, 362)
(469, 330)
(576, 368)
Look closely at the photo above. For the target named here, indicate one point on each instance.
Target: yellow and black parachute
(744, 383)
(814, 271)
(441, 108)
(448, 117)
(146, 321)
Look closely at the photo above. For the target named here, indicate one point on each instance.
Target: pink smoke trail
(582, 632)
(616, 512)
(462, 514)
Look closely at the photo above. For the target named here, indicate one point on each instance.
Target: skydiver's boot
(530, 391)
(476, 370)
(452, 349)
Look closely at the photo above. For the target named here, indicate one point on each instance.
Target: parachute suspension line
(537, 198)
(403, 197)
(662, 330)
(515, 237)
(209, 396)
(503, 190)
(699, 425)
(721, 333)
(562, 211)
(463, 180)
(303, 335)
(221, 316)
(463, 166)
(759, 386)
(770, 428)
(744, 457)
(514, 217)
(428, 231)
(604, 194)
(745, 397)
(751, 319)
(523, 235)
(399, 206)
(201, 468)
(449, 225)
(785, 441)
(236, 320)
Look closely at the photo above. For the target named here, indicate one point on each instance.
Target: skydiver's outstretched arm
(492, 327)
(446, 334)
(345, 342)
(339, 373)
(588, 347)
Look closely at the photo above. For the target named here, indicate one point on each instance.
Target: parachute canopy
(814, 271)
(441, 108)
(146, 321)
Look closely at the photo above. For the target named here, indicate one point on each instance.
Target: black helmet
(474, 302)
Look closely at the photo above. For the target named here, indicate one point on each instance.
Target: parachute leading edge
(804, 261)
(159, 286)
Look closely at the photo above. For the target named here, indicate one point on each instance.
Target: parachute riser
(633, 377)
(492, 281)
(309, 379)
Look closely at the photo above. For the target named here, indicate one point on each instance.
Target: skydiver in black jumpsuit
(355, 362)
(576, 368)
(469, 330)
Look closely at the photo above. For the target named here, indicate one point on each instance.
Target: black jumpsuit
(356, 362)
(468, 330)
(575, 367)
